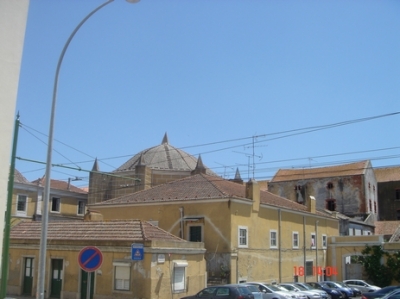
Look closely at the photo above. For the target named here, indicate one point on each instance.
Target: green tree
(380, 274)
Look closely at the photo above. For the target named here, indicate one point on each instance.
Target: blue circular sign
(90, 258)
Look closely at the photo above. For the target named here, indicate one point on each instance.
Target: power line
(287, 133)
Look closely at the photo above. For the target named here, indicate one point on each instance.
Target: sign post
(90, 259)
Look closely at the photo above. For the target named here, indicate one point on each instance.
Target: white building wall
(13, 17)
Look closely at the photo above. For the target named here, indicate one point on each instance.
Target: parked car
(294, 294)
(335, 294)
(379, 293)
(293, 287)
(392, 295)
(324, 294)
(356, 291)
(340, 286)
(255, 291)
(362, 285)
(229, 291)
(271, 292)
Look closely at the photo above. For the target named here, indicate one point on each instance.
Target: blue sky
(216, 76)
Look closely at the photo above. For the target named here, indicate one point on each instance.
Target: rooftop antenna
(224, 166)
(309, 161)
(254, 155)
(248, 163)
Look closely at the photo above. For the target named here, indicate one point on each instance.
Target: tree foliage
(379, 273)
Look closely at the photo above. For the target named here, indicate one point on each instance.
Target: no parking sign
(90, 258)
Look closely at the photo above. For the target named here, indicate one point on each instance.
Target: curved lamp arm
(43, 238)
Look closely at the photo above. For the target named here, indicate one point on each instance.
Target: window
(295, 239)
(329, 186)
(81, 207)
(324, 241)
(243, 237)
(309, 268)
(331, 204)
(195, 233)
(375, 207)
(397, 194)
(55, 204)
(370, 205)
(273, 239)
(122, 276)
(179, 276)
(21, 205)
(313, 241)
(208, 292)
(224, 291)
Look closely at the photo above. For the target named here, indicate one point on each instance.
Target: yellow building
(249, 234)
(122, 259)
(66, 200)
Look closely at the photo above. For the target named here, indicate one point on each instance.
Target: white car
(362, 285)
(310, 294)
(295, 295)
(271, 292)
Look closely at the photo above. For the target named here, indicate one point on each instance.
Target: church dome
(162, 157)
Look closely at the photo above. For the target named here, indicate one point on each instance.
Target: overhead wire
(292, 133)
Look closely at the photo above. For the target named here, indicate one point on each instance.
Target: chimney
(253, 193)
(311, 205)
(92, 215)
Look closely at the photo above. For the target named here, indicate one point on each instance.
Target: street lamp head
(132, 1)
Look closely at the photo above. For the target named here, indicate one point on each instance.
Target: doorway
(84, 284)
(56, 278)
(28, 276)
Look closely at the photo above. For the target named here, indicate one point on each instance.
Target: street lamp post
(45, 215)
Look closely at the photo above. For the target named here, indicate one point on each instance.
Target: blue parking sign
(137, 252)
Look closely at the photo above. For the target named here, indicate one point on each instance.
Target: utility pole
(7, 218)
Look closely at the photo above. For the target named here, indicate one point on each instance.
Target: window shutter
(122, 277)
(179, 278)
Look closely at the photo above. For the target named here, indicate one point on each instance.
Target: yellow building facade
(249, 234)
(138, 260)
(66, 200)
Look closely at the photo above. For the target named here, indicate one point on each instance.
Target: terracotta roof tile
(60, 185)
(114, 230)
(202, 187)
(323, 172)
(386, 227)
(387, 174)
(19, 178)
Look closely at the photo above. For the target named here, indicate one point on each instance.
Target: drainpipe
(181, 211)
(280, 244)
(7, 217)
